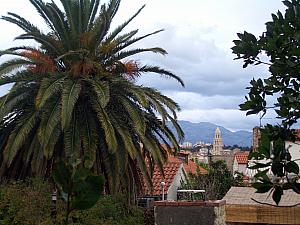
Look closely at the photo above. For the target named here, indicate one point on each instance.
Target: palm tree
(75, 97)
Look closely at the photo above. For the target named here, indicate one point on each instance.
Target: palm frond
(19, 136)
(122, 26)
(40, 7)
(48, 88)
(101, 89)
(106, 125)
(135, 114)
(50, 119)
(12, 65)
(49, 43)
(20, 22)
(89, 138)
(70, 95)
(156, 69)
(134, 40)
(72, 139)
(8, 105)
(125, 54)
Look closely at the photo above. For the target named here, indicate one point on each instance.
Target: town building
(240, 162)
(175, 171)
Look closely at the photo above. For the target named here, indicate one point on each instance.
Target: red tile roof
(192, 167)
(242, 157)
(170, 170)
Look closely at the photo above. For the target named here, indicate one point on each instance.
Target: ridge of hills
(205, 131)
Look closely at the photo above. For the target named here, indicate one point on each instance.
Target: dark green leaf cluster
(285, 171)
(79, 187)
(75, 97)
(280, 43)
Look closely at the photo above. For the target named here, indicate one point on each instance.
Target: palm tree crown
(75, 97)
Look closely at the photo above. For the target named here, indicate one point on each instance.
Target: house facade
(175, 171)
(240, 162)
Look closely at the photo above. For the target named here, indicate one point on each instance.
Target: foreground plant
(75, 97)
(79, 188)
(278, 49)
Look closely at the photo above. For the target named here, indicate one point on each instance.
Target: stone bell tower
(218, 144)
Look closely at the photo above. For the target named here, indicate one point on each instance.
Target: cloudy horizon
(198, 36)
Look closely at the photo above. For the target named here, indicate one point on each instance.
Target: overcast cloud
(198, 36)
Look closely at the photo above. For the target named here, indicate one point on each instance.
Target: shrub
(110, 210)
(25, 203)
(29, 203)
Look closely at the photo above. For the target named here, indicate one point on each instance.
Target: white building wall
(239, 167)
(172, 192)
(294, 149)
(242, 168)
(235, 166)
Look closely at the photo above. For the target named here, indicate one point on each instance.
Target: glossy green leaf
(292, 167)
(277, 194)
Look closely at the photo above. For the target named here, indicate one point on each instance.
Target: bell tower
(218, 144)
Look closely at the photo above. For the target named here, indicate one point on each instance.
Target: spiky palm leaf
(75, 97)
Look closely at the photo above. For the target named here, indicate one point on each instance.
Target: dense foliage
(280, 91)
(285, 170)
(75, 97)
(28, 203)
(216, 182)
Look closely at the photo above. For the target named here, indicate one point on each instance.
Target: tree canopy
(279, 49)
(75, 97)
(216, 182)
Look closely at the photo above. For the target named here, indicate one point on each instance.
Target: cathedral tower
(218, 144)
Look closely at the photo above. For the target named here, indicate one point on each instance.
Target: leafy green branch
(79, 188)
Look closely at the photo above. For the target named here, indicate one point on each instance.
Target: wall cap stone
(214, 203)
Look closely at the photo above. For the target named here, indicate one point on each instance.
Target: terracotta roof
(170, 170)
(192, 167)
(242, 157)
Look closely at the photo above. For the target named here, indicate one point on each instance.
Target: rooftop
(170, 170)
(192, 167)
(242, 157)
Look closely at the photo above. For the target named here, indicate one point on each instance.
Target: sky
(198, 36)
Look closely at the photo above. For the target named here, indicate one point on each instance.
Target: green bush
(29, 203)
(110, 211)
(23, 203)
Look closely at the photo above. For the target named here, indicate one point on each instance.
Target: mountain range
(204, 131)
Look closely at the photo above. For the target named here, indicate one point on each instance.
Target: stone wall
(190, 213)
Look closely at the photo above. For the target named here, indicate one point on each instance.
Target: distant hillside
(205, 131)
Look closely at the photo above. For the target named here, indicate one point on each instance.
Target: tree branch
(265, 203)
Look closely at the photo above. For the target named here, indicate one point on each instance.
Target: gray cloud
(198, 36)
(205, 68)
(192, 100)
